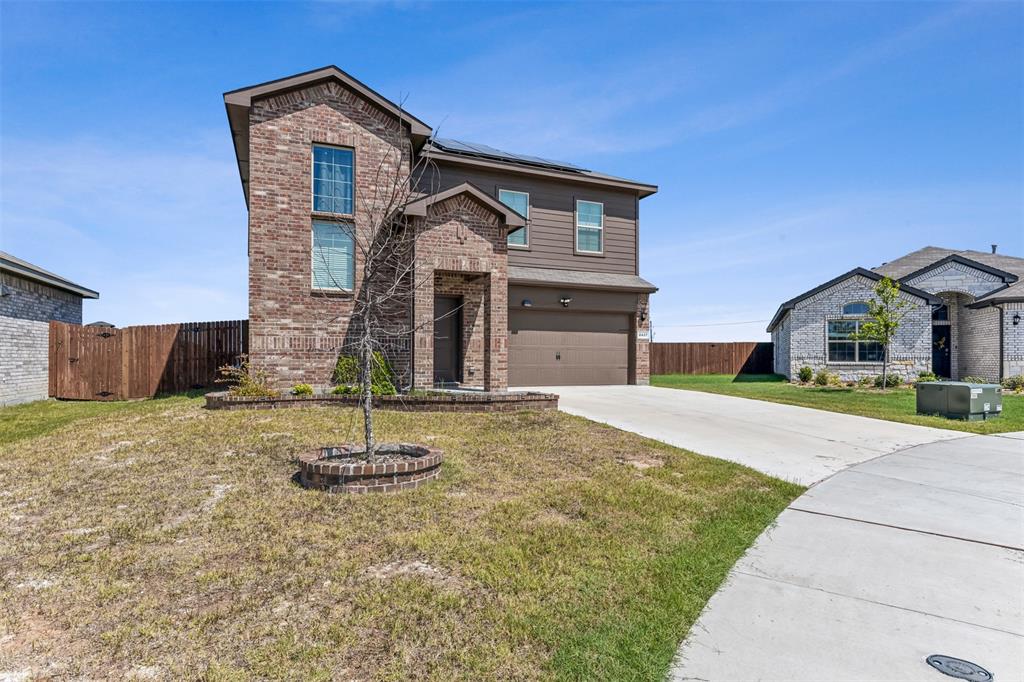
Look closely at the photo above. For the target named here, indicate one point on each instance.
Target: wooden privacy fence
(104, 363)
(746, 357)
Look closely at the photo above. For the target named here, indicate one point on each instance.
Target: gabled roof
(485, 156)
(237, 103)
(26, 270)
(957, 258)
(923, 259)
(1013, 293)
(420, 206)
(869, 274)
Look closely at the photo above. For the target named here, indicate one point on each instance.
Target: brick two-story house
(527, 270)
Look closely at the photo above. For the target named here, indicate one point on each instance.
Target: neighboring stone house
(29, 298)
(526, 270)
(964, 319)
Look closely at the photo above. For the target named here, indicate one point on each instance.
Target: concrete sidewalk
(915, 553)
(910, 544)
(793, 443)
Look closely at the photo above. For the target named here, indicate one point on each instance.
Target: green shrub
(302, 389)
(246, 380)
(1015, 384)
(826, 378)
(806, 374)
(891, 381)
(346, 389)
(975, 380)
(926, 376)
(346, 373)
(866, 381)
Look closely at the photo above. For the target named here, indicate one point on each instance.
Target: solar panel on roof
(482, 150)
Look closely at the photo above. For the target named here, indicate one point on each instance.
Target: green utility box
(960, 400)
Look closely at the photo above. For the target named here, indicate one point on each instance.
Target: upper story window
(843, 346)
(332, 180)
(520, 203)
(333, 256)
(858, 308)
(589, 227)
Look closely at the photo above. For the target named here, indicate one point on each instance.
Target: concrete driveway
(913, 546)
(793, 443)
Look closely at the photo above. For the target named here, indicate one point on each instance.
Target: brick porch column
(423, 327)
(496, 358)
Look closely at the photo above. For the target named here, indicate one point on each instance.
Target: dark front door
(940, 350)
(447, 339)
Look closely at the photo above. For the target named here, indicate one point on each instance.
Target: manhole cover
(959, 668)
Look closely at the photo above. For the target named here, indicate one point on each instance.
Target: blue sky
(791, 142)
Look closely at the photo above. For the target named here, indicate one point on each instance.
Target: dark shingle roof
(21, 268)
(486, 154)
(578, 278)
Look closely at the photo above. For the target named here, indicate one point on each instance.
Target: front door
(940, 350)
(447, 340)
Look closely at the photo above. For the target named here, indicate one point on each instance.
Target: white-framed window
(844, 347)
(589, 226)
(520, 203)
(332, 179)
(333, 256)
(858, 308)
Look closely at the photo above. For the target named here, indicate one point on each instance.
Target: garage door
(567, 349)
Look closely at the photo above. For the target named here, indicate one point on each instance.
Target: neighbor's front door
(940, 350)
(447, 340)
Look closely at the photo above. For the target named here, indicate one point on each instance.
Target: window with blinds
(589, 227)
(520, 203)
(333, 254)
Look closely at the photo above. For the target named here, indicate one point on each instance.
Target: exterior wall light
(527, 303)
(565, 301)
(1016, 319)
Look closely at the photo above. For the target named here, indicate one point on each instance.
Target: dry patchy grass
(159, 540)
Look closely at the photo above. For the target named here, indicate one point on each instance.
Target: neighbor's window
(589, 226)
(333, 256)
(859, 308)
(332, 180)
(520, 203)
(843, 348)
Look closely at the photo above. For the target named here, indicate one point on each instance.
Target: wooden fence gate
(100, 363)
(745, 357)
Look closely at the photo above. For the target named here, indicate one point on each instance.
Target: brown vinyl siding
(553, 221)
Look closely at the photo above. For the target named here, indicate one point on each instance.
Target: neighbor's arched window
(858, 308)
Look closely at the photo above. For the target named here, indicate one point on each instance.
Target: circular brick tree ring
(332, 470)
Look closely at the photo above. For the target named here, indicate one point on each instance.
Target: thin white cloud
(159, 231)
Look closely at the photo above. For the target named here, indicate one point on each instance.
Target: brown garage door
(567, 349)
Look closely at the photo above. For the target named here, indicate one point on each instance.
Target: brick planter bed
(413, 466)
(434, 402)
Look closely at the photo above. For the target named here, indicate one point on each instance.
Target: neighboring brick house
(964, 320)
(526, 270)
(29, 298)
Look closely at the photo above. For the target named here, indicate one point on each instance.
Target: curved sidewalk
(914, 553)
(911, 542)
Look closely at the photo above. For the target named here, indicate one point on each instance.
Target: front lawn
(161, 540)
(895, 404)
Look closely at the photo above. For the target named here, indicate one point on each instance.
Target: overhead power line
(709, 324)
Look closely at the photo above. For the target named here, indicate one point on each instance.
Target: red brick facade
(296, 333)
(462, 251)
